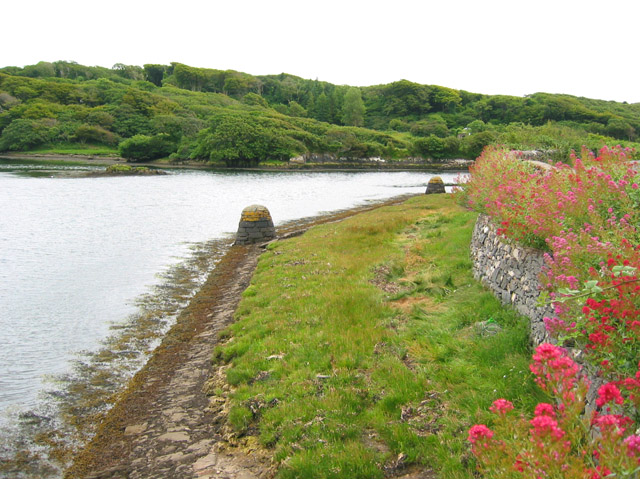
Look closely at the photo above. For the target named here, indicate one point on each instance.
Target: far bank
(323, 164)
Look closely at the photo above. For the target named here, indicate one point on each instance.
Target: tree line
(236, 118)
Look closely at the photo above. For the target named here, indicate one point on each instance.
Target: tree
(40, 70)
(619, 128)
(24, 134)
(473, 145)
(155, 73)
(255, 100)
(404, 98)
(144, 148)
(322, 110)
(353, 108)
(447, 99)
(296, 109)
(245, 140)
(7, 101)
(432, 125)
(94, 134)
(429, 147)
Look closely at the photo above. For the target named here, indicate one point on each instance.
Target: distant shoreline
(196, 165)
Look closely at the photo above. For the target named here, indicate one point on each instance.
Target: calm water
(76, 252)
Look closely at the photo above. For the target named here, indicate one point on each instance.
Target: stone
(135, 429)
(512, 273)
(487, 328)
(435, 186)
(174, 436)
(256, 226)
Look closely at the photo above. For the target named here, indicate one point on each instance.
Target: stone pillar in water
(256, 226)
(435, 185)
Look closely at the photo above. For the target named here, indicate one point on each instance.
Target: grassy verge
(357, 351)
(75, 149)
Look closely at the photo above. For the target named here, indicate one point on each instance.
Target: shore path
(162, 427)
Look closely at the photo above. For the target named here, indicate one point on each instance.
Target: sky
(516, 47)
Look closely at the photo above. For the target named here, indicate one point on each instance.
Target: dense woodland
(224, 116)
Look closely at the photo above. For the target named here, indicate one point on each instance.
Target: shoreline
(161, 425)
(46, 158)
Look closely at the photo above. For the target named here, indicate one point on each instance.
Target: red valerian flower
(501, 406)
(479, 431)
(607, 393)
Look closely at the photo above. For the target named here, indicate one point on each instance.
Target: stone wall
(511, 272)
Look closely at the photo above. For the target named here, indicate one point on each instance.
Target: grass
(355, 352)
(76, 149)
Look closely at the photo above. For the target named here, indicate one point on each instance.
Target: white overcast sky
(515, 47)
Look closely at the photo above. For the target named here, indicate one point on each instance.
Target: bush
(472, 145)
(587, 217)
(25, 134)
(436, 148)
(561, 442)
(145, 148)
(244, 140)
(94, 134)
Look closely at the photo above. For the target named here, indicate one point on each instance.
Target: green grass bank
(365, 348)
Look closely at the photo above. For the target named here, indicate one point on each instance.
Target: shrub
(24, 134)
(145, 148)
(94, 134)
(559, 441)
(587, 218)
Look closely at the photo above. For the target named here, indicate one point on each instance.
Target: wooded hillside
(184, 112)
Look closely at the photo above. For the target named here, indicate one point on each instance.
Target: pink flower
(612, 423)
(633, 446)
(546, 426)
(479, 431)
(544, 409)
(607, 393)
(501, 406)
(547, 351)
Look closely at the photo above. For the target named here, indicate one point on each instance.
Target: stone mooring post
(256, 226)
(435, 185)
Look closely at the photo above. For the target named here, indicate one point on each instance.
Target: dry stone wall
(511, 272)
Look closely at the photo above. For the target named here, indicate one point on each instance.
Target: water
(76, 252)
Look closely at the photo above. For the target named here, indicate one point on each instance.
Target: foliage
(245, 139)
(145, 148)
(587, 217)
(432, 125)
(353, 108)
(23, 134)
(94, 134)
(131, 99)
(472, 145)
(560, 442)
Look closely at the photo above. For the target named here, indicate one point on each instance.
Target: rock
(435, 186)
(174, 436)
(487, 328)
(134, 430)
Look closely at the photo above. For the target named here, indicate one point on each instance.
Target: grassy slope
(355, 353)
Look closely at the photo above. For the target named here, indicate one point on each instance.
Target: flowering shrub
(587, 217)
(559, 441)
